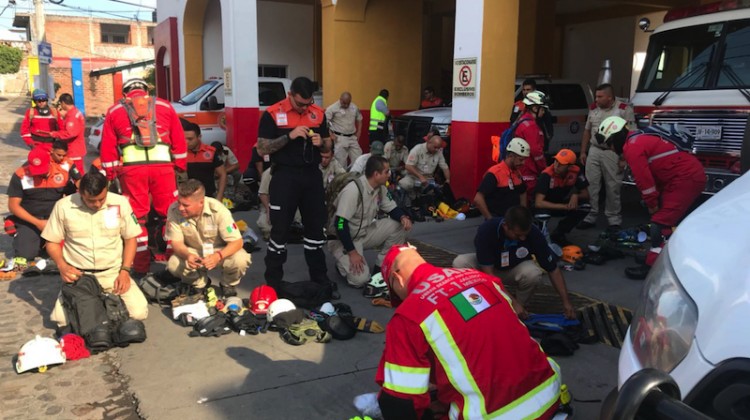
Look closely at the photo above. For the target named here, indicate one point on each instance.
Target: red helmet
(261, 298)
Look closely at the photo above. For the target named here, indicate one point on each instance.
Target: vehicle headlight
(664, 325)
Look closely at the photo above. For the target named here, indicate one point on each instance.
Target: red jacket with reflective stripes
(73, 127)
(655, 163)
(118, 129)
(530, 131)
(453, 315)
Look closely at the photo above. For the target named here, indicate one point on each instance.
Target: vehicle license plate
(708, 132)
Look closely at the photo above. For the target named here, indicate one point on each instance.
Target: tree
(150, 78)
(10, 59)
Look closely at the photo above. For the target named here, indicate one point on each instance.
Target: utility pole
(39, 38)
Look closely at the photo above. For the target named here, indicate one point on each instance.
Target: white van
(204, 105)
(692, 320)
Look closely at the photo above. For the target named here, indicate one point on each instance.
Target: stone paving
(91, 388)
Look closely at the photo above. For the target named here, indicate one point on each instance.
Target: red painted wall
(471, 151)
(242, 132)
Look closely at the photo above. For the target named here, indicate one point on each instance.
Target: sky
(112, 9)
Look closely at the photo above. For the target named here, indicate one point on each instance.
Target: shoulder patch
(592, 106)
(623, 105)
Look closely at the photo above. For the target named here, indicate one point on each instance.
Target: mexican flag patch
(231, 228)
(473, 301)
(135, 219)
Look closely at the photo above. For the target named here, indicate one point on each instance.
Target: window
(150, 35)
(270, 92)
(114, 34)
(271, 71)
(735, 66)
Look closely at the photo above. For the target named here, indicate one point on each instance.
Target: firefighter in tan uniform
(99, 231)
(204, 236)
(423, 159)
(356, 228)
(603, 166)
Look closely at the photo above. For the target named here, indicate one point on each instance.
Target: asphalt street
(174, 376)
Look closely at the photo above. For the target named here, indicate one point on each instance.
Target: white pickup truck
(204, 105)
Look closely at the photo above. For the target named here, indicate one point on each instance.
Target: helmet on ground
(609, 127)
(234, 303)
(39, 353)
(39, 95)
(519, 146)
(536, 98)
(571, 253)
(134, 83)
(377, 280)
(261, 299)
(280, 306)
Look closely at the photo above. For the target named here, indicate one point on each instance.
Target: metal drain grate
(609, 323)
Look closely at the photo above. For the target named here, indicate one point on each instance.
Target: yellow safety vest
(377, 118)
(137, 155)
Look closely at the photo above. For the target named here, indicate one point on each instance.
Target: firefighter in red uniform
(530, 130)
(73, 128)
(456, 328)
(40, 120)
(669, 180)
(142, 145)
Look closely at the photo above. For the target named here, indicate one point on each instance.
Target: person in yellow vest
(379, 115)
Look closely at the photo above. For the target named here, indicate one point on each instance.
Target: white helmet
(134, 83)
(536, 98)
(39, 353)
(608, 127)
(519, 146)
(280, 306)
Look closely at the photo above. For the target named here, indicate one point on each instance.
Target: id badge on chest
(208, 249)
(504, 259)
(281, 119)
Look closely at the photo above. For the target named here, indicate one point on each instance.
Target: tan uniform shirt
(597, 115)
(329, 172)
(215, 226)
(395, 157)
(361, 217)
(425, 162)
(93, 239)
(342, 120)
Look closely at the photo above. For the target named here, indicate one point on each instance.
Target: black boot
(637, 273)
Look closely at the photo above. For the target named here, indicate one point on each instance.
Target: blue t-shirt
(491, 244)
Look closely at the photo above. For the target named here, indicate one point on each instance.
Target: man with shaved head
(422, 162)
(345, 125)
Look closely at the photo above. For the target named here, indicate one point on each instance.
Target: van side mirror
(213, 103)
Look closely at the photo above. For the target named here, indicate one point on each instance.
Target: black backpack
(102, 319)
(86, 312)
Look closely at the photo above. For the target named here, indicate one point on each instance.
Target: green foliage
(10, 59)
(150, 78)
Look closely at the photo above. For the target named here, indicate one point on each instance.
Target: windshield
(709, 56)
(198, 93)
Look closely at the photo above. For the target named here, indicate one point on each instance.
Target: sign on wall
(464, 76)
(44, 51)
(228, 81)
